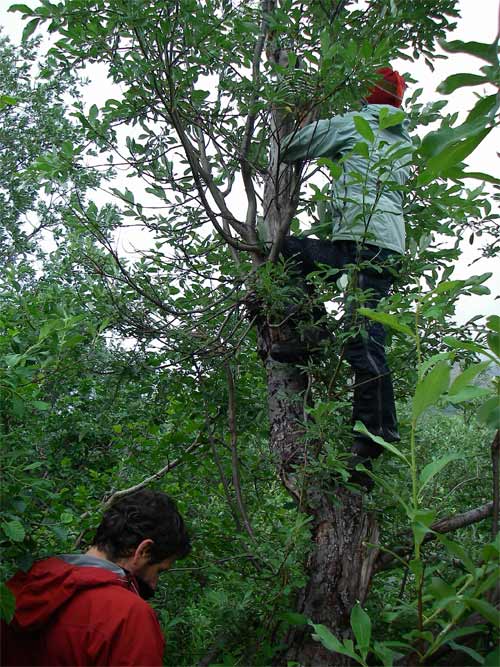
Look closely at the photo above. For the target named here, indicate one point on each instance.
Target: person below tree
(366, 236)
(88, 609)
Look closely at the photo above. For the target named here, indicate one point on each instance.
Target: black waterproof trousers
(374, 271)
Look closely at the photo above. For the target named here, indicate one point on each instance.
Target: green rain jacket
(365, 201)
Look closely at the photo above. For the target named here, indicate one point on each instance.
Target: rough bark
(340, 568)
(340, 563)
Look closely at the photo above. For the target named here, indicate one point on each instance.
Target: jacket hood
(50, 583)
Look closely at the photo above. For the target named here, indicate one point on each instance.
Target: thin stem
(234, 451)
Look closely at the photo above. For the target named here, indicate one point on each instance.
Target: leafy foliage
(116, 366)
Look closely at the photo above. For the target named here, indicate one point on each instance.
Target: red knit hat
(388, 90)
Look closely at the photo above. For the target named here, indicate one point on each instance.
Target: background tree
(206, 110)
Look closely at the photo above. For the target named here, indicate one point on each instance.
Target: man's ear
(143, 551)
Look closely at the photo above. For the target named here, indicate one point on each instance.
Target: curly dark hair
(143, 515)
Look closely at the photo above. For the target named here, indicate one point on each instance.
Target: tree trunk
(340, 563)
(339, 568)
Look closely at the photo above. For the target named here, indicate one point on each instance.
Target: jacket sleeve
(138, 641)
(324, 138)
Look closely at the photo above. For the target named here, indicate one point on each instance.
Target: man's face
(150, 572)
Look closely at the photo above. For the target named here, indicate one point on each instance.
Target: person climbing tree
(366, 238)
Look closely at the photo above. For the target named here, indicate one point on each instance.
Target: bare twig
(495, 459)
(225, 483)
(234, 451)
(246, 170)
(152, 478)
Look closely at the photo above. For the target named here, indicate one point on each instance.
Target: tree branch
(495, 459)
(234, 452)
(152, 478)
(193, 158)
(246, 170)
(386, 560)
(225, 483)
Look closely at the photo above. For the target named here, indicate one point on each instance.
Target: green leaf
(359, 427)
(480, 176)
(494, 343)
(389, 118)
(489, 413)
(466, 377)
(486, 610)
(49, 326)
(29, 29)
(488, 583)
(128, 196)
(456, 152)
(362, 627)
(447, 286)
(199, 96)
(12, 360)
(384, 654)
(323, 635)
(491, 551)
(479, 289)
(432, 469)
(7, 100)
(457, 344)
(364, 129)
(21, 8)
(157, 191)
(441, 590)
(334, 168)
(93, 113)
(446, 147)
(468, 394)
(361, 148)
(416, 568)
(463, 632)
(455, 81)
(391, 321)
(41, 405)
(293, 618)
(458, 551)
(7, 603)
(430, 388)
(488, 52)
(14, 530)
(432, 361)
(329, 641)
(421, 521)
(466, 649)
(493, 323)
(493, 658)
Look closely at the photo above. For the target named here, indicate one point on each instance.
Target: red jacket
(79, 615)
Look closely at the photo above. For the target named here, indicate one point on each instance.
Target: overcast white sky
(480, 22)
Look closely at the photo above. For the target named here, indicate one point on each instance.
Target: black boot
(364, 452)
(360, 477)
